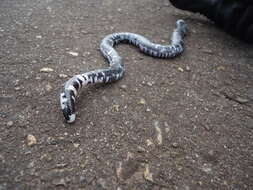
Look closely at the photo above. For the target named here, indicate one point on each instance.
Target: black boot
(233, 16)
(200, 6)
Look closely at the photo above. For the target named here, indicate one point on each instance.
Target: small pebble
(242, 100)
(142, 101)
(31, 140)
(180, 69)
(208, 51)
(123, 87)
(179, 168)
(47, 157)
(167, 129)
(166, 4)
(58, 182)
(211, 153)
(48, 87)
(102, 183)
(85, 54)
(187, 68)
(28, 93)
(16, 82)
(105, 99)
(17, 88)
(149, 142)
(206, 168)
(82, 179)
(30, 165)
(115, 107)
(150, 84)
(61, 165)
(194, 31)
(221, 68)
(73, 53)
(141, 149)
(84, 32)
(63, 76)
(46, 70)
(10, 123)
(76, 145)
(174, 145)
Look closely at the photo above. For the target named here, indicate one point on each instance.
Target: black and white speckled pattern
(116, 70)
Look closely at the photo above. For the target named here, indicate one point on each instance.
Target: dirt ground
(183, 123)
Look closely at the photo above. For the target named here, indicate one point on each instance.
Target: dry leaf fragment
(159, 133)
(147, 175)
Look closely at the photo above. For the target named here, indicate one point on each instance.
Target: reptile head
(182, 27)
(67, 102)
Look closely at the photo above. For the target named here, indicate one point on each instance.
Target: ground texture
(185, 123)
